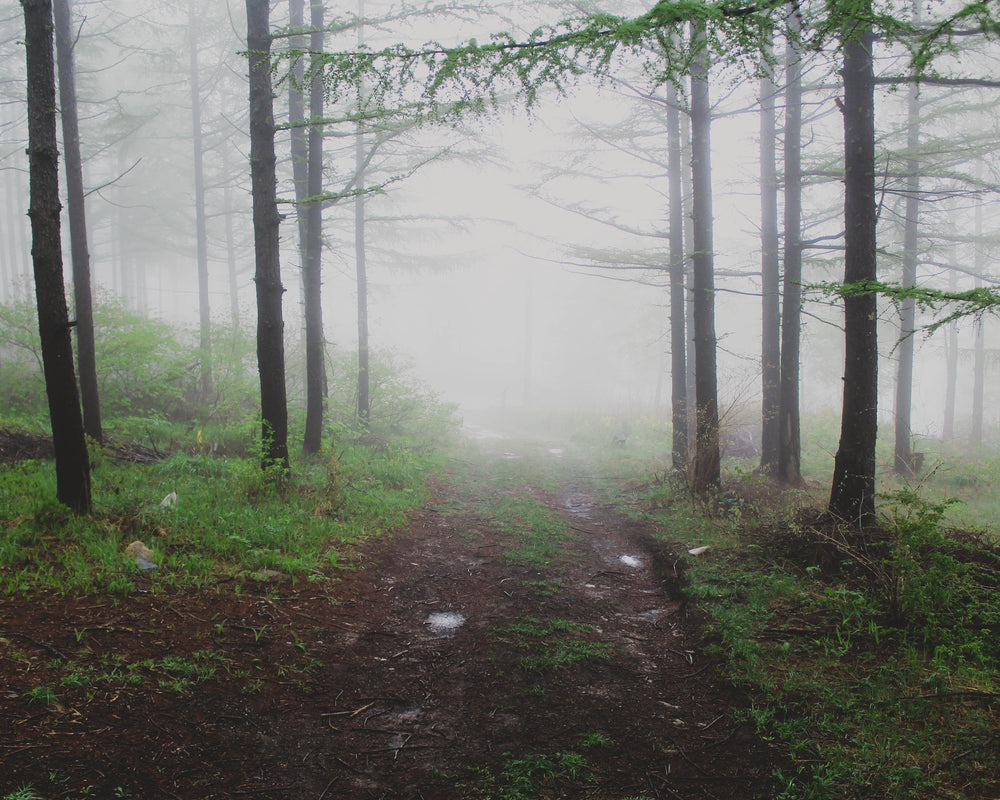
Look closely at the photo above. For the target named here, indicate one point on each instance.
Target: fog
(484, 262)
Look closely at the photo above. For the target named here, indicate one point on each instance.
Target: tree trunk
(979, 356)
(80, 255)
(707, 468)
(770, 275)
(234, 294)
(72, 462)
(312, 267)
(688, 192)
(678, 327)
(903, 461)
(852, 495)
(266, 221)
(789, 469)
(361, 260)
(200, 227)
(298, 132)
(951, 368)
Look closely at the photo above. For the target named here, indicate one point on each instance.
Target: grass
(23, 793)
(230, 519)
(525, 777)
(550, 645)
(872, 662)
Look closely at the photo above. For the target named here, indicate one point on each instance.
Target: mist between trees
(619, 207)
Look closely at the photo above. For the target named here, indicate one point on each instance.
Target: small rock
(142, 556)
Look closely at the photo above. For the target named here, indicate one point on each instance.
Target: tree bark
(72, 461)
(266, 222)
(678, 326)
(361, 260)
(200, 226)
(770, 278)
(79, 252)
(312, 267)
(903, 460)
(707, 467)
(789, 469)
(852, 496)
(951, 368)
(298, 132)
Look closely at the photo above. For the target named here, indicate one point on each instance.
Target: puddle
(579, 504)
(444, 623)
(631, 561)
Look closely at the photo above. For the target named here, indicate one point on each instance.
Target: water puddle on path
(579, 505)
(444, 623)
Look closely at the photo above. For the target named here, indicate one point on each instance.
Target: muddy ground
(440, 668)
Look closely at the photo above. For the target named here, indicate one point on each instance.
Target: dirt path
(453, 664)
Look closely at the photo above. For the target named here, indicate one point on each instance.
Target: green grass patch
(229, 518)
(871, 660)
(550, 643)
(526, 777)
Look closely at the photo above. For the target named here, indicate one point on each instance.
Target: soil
(582, 678)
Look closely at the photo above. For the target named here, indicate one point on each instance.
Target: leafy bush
(401, 405)
(145, 367)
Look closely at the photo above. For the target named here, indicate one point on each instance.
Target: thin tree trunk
(361, 259)
(200, 226)
(707, 471)
(688, 192)
(79, 253)
(770, 277)
(678, 327)
(978, 383)
(234, 294)
(951, 368)
(266, 222)
(298, 132)
(789, 469)
(852, 495)
(72, 461)
(903, 460)
(312, 268)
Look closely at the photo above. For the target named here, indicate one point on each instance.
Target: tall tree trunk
(266, 222)
(951, 368)
(688, 194)
(72, 462)
(903, 460)
(200, 227)
(361, 258)
(79, 253)
(312, 268)
(789, 469)
(770, 276)
(234, 294)
(979, 362)
(852, 495)
(298, 131)
(707, 470)
(978, 383)
(678, 327)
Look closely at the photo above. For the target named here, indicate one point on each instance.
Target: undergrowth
(870, 659)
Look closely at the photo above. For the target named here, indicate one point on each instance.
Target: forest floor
(456, 659)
